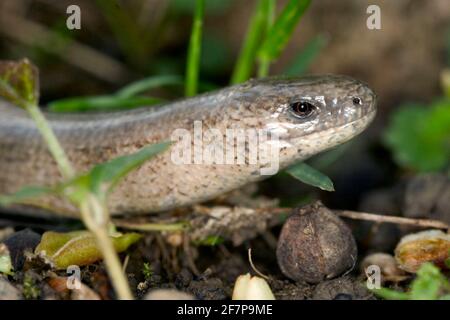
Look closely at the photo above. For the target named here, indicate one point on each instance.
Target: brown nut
(427, 246)
(315, 244)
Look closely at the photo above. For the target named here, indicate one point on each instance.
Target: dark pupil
(302, 109)
(356, 101)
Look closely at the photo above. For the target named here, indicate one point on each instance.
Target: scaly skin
(160, 184)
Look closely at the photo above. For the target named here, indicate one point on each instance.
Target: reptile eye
(357, 101)
(302, 109)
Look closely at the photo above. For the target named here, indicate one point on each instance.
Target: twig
(125, 263)
(426, 223)
(253, 266)
(357, 215)
(188, 253)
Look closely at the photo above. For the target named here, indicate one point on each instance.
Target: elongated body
(305, 115)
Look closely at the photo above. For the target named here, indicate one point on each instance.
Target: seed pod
(315, 245)
(387, 264)
(427, 246)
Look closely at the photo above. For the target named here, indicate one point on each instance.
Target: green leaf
(125, 98)
(101, 103)
(311, 176)
(102, 178)
(305, 57)
(145, 84)
(19, 82)
(147, 271)
(24, 195)
(419, 137)
(78, 247)
(282, 29)
(109, 173)
(194, 50)
(99, 180)
(428, 283)
(247, 57)
(210, 241)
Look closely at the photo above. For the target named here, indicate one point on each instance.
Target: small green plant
(430, 284)
(210, 241)
(19, 84)
(147, 271)
(30, 289)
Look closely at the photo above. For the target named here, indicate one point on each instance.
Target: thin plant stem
(179, 226)
(52, 142)
(95, 214)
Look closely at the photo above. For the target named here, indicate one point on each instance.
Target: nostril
(357, 101)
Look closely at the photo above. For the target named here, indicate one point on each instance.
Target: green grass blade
(101, 103)
(311, 176)
(263, 66)
(282, 30)
(305, 57)
(194, 51)
(257, 28)
(145, 84)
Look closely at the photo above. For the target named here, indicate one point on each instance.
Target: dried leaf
(78, 247)
(5, 260)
